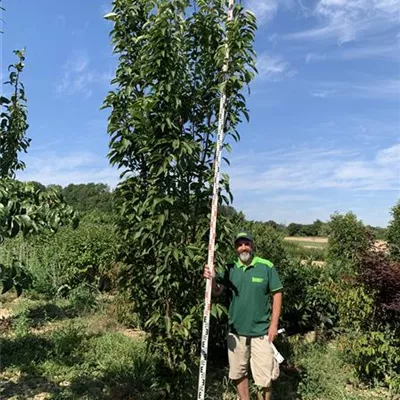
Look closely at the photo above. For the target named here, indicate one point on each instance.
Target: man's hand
(207, 273)
(272, 333)
(216, 288)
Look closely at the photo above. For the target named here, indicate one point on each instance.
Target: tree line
(87, 197)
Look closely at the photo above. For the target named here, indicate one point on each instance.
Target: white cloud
(322, 93)
(318, 168)
(52, 168)
(273, 67)
(78, 78)
(389, 51)
(373, 89)
(310, 57)
(389, 156)
(348, 20)
(265, 10)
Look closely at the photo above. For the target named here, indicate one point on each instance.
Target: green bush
(308, 297)
(349, 239)
(355, 307)
(84, 298)
(368, 309)
(376, 356)
(69, 257)
(268, 241)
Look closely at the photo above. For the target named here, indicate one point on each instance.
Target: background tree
(349, 240)
(293, 229)
(88, 196)
(163, 124)
(393, 233)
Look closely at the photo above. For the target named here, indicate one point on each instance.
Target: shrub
(268, 241)
(369, 310)
(376, 356)
(355, 307)
(69, 257)
(308, 298)
(382, 278)
(349, 239)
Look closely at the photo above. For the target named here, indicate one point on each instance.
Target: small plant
(66, 341)
(84, 298)
(21, 324)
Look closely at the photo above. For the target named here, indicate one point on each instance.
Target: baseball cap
(244, 235)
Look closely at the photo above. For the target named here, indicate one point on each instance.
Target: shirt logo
(257, 280)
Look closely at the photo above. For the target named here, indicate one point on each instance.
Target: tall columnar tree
(13, 122)
(163, 125)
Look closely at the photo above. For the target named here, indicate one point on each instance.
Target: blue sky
(324, 134)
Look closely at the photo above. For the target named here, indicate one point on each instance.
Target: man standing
(251, 281)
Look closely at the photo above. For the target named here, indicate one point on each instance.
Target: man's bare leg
(242, 387)
(266, 395)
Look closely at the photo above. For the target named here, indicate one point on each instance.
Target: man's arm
(276, 313)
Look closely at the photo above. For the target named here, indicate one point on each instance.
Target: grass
(50, 351)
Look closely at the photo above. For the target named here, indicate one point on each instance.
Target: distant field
(318, 242)
(322, 242)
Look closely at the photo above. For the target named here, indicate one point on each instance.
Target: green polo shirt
(249, 289)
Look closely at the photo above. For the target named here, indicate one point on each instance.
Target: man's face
(244, 249)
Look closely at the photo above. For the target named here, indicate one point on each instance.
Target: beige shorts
(257, 351)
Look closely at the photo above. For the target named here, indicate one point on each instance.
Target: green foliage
(349, 239)
(378, 232)
(309, 302)
(81, 365)
(26, 211)
(88, 197)
(317, 228)
(15, 276)
(368, 307)
(355, 307)
(62, 261)
(13, 122)
(84, 298)
(376, 355)
(24, 208)
(268, 241)
(92, 357)
(393, 233)
(21, 325)
(163, 128)
(323, 373)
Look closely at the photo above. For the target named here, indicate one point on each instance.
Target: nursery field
(75, 348)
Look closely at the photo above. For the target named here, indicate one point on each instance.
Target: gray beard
(245, 256)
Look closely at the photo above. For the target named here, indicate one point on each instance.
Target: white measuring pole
(213, 223)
